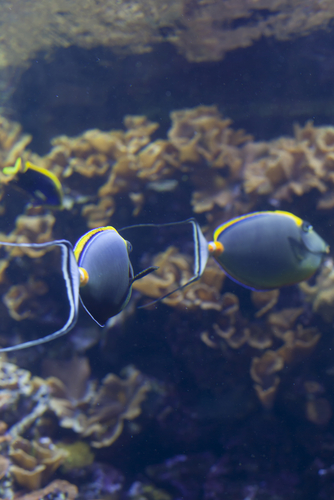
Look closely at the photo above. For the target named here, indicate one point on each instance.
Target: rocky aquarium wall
(153, 112)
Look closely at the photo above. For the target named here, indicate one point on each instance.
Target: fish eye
(129, 246)
(307, 227)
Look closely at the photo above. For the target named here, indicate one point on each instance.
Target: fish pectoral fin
(143, 273)
(298, 249)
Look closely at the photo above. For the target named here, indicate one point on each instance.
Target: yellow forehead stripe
(229, 223)
(81, 243)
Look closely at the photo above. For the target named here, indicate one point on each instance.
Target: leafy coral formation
(239, 349)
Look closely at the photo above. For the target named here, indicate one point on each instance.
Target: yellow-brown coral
(23, 301)
(286, 167)
(318, 408)
(321, 294)
(70, 491)
(264, 373)
(207, 143)
(175, 269)
(30, 228)
(101, 414)
(34, 462)
(275, 336)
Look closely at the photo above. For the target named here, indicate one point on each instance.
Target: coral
(321, 294)
(289, 167)
(318, 408)
(32, 227)
(26, 405)
(176, 471)
(78, 455)
(199, 140)
(23, 398)
(74, 373)
(23, 301)
(140, 491)
(57, 490)
(12, 143)
(263, 372)
(206, 142)
(100, 415)
(210, 343)
(298, 343)
(109, 163)
(267, 330)
(175, 269)
(101, 480)
(264, 301)
(4, 466)
(34, 462)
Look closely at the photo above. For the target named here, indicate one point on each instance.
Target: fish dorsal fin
(201, 253)
(72, 280)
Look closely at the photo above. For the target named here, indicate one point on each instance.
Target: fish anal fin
(143, 273)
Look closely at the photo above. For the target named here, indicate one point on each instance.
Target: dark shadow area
(264, 88)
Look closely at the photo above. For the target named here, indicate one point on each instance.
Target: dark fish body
(39, 186)
(43, 187)
(99, 270)
(103, 254)
(267, 250)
